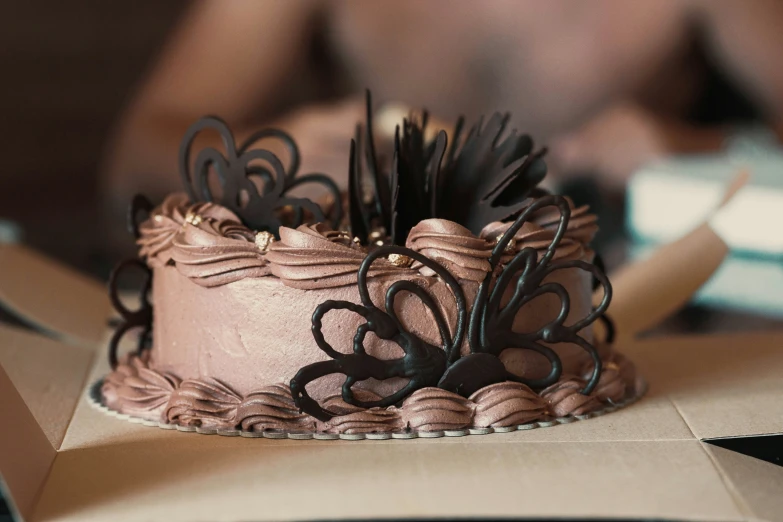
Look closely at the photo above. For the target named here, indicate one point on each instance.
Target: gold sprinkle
(510, 246)
(400, 260)
(264, 239)
(357, 240)
(193, 219)
(377, 235)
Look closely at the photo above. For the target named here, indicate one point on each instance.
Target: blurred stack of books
(667, 199)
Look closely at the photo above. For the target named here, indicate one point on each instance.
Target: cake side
(219, 348)
(258, 330)
(247, 327)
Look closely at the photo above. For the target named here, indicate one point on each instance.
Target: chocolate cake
(443, 293)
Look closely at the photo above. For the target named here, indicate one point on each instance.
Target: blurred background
(69, 68)
(97, 94)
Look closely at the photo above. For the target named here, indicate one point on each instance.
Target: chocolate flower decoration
(141, 318)
(130, 319)
(236, 170)
(440, 178)
(312, 256)
(490, 329)
(422, 363)
(491, 324)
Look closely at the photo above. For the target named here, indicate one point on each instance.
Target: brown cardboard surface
(53, 297)
(756, 485)
(25, 453)
(306, 480)
(722, 386)
(50, 391)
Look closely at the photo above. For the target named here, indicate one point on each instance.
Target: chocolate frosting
(453, 246)
(213, 249)
(433, 409)
(156, 234)
(206, 404)
(539, 232)
(507, 404)
(217, 249)
(353, 419)
(136, 389)
(582, 225)
(314, 256)
(617, 378)
(272, 408)
(564, 398)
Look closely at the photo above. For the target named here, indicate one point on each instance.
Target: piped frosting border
(208, 244)
(138, 393)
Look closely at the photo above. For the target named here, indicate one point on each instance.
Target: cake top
(464, 210)
(471, 178)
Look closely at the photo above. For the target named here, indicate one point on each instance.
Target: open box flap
(52, 297)
(48, 374)
(26, 454)
(41, 381)
(649, 290)
(757, 485)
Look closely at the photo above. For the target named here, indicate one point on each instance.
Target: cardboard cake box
(62, 459)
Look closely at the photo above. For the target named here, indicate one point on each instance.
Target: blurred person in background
(607, 84)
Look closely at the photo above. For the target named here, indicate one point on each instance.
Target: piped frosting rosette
(215, 249)
(314, 256)
(156, 234)
(539, 232)
(452, 245)
(137, 390)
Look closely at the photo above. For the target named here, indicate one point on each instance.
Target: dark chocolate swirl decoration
(130, 319)
(422, 363)
(236, 171)
(490, 328)
(142, 316)
(139, 205)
